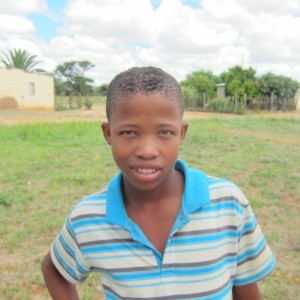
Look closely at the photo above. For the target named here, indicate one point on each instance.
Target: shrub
(225, 106)
(191, 97)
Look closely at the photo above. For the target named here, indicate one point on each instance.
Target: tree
(203, 83)
(278, 85)
(102, 89)
(281, 87)
(20, 59)
(72, 73)
(239, 82)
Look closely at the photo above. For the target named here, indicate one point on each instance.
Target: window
(31, 88)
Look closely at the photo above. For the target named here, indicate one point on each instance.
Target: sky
(179, 36)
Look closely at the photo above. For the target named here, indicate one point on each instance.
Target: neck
(153, 199)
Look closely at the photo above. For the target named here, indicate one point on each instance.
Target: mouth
(146, 174)
(146, 171)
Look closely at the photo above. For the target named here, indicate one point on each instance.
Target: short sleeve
(67, 257)
(255, 260)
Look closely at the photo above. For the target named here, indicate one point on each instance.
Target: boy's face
(145, 133)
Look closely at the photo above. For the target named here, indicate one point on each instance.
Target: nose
(147, 148)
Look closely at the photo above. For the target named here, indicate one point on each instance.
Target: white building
(30, 90)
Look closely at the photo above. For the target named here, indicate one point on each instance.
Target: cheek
(119, 151)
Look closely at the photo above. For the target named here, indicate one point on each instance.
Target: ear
(184, 128)
(106, 132)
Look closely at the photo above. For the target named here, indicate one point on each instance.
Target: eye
(128, 133)
(166, 132)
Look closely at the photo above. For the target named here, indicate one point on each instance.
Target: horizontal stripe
(229, 198)
(252, 257)
(205, 231)
(174, 296)
(126, 270)
(199, 264)
(87, 216)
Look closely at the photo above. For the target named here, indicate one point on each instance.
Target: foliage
(278, 85)
(72, 72)
(20, 59)
(204, 82)
(190, 97)
(102, 89)
(240, 81)
(60, 87)
(225, 106)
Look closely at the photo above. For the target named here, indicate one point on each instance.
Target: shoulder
(221, 189)
(92, 206)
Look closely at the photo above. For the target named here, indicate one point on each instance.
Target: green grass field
(46, 168)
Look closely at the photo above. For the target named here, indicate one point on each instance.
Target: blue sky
(180, 36)
(47, 23)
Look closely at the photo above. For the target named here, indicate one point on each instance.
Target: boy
(160, 230)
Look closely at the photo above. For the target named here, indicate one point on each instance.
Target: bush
(224, 106)
(190, 97)
(88, 104)
(59, 107)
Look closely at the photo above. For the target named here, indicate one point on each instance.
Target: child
(160, 230)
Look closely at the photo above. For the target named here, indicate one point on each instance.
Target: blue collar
(195, 195)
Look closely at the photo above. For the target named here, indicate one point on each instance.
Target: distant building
(30, 90)
(221, 91)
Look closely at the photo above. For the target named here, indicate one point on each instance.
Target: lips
(146, 173)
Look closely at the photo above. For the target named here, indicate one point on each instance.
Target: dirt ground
(97, 113)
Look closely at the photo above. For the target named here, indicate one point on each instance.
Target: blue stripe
(226, 263)
(112, 248)
(217, 246)
(68, 268)
(222, 206)
(204, 238)
(88, 222)
(248, 254)
(120, 256)
(72, 253)
(220, 216)
(252, 244)
(268, 269)
(175, 282)
(98, 230)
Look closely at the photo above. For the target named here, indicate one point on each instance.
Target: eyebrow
(163, 125)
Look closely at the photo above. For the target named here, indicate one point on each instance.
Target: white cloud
(117, 34)
(22, 7)
(12, 26)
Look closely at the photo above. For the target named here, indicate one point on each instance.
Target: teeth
(146, 171)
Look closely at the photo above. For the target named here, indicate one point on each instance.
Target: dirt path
(97, 113)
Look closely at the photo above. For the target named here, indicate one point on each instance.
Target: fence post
(272, 101)
(235, 101)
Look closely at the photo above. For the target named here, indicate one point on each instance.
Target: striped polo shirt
(214, 244)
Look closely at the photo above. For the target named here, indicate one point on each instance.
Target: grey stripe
(101, 242)
(173, 297)
(205, 231)
(86, 216)
(229, 198)
(248, 232)
(199, 264)
(126, 270)
(253, 257)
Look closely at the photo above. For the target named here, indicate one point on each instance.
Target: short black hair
(142, 80)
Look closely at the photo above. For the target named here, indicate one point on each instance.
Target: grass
(46, 168)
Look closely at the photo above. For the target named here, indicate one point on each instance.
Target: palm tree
(20, 59)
